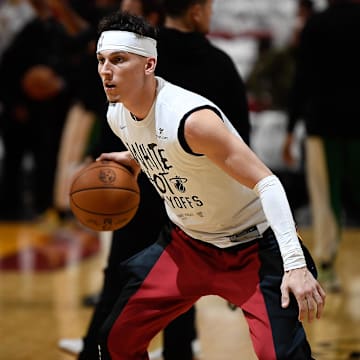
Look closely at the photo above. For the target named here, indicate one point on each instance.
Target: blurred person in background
(83, 121)
(14, 14)
(187, 24)
(185, 31)
(36, 94)
(325, 95)
(269, 86)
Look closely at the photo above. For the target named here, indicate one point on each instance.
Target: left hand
(308, 293)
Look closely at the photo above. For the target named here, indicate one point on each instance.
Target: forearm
(278, 213)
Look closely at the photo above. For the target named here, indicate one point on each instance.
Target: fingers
(311, 308)
(306, 309)
(285, 296)
(319, 297)
(105, 156)
(124, 158)
(303, 309)
(285, 299)
(312, 305)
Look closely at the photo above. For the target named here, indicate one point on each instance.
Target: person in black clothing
(325, 95)
(36, 95)
(184, 31)
(183, 35)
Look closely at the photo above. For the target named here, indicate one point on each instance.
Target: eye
(101, 60)
(118, 60)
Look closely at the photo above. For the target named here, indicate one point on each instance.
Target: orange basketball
(104, 196)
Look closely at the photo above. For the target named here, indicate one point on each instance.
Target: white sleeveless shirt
(200, 198)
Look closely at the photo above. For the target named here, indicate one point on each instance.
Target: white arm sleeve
(278, 213)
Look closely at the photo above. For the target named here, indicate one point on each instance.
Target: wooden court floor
(38, 306)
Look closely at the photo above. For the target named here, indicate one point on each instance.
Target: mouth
(110, 91)
(109, 86)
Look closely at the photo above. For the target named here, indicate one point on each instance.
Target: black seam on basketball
(103, 214)
(105, 188)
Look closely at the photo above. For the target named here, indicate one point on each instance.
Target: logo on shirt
(179, 183)
(160, 134)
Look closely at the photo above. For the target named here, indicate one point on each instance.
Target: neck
(180, 24)
(143, 103)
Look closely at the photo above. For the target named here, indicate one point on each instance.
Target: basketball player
(186, 24)
(230, 230)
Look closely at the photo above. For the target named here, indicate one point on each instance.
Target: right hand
(309, 294)
(124, 158)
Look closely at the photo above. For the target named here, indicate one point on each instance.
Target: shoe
(72, 346)
(328, 278)
(196, 348)
(156, 354)
(75, 346)
(195, 345)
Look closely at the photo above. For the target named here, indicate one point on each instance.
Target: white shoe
(196, 348)
(75, 346)
(156, 354)
(72, 346)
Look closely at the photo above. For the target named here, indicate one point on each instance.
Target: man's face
(122, 74)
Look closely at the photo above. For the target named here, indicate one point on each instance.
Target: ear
(150, 65)
(195, 13)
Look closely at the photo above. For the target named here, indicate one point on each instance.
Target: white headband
(127, 41)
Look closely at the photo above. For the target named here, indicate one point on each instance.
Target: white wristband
(278, 213)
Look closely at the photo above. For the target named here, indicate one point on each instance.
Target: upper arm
(205, 133)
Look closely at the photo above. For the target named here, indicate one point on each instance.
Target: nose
(105, 68)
